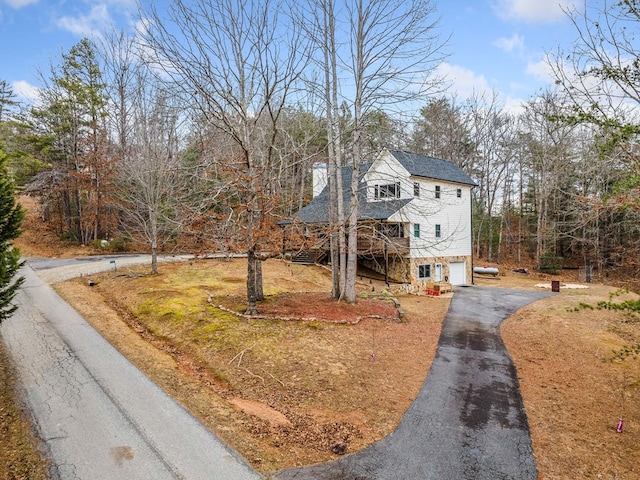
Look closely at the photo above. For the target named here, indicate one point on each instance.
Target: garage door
(457, 273)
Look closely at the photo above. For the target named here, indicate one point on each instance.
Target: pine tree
(11, 215)
(71, 110)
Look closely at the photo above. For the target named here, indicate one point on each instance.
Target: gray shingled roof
(431, 167)
(317, 211)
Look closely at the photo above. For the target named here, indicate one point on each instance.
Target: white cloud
(25, 90)
(19, 3)
(90, 25)
(509, 45)
(540, 71)
(464, 82)
(544, 11)
(514, 106)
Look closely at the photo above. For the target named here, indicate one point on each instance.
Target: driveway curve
(468, 421)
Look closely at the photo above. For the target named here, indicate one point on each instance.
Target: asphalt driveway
(468, 421)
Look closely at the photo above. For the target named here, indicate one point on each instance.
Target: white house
(414, 218)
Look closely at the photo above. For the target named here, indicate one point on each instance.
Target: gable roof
(317, 211)
(430, 167)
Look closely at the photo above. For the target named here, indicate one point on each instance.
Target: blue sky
(495, 44)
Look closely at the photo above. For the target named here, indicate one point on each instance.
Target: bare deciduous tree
(151, 177)
(491, 136)
(377, 57)
(601, 77)
(237, 64)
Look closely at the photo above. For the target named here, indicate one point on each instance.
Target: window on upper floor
(459, 193)
(390, 190)
(437, 191)
(416, 189)
(416, 230)
(438, 231)
(424, 271)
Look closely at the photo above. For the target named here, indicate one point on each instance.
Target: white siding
(386, 170)
(453, 214)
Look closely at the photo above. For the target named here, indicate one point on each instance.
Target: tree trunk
(258, 283)
(154, 259)
(154, 242)
(500, 234)
(352, 244)
(336, 207)
(489, 237)
(540, 230)
(479, 250)
(252, 308)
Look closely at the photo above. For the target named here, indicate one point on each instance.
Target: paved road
(53, 270)
(98, 415)
(468, 421)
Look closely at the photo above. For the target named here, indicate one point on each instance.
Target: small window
(416, 189)
(459, 193)
(391, 190)
(424, 271)
(416, 230)
(438, 231)
(437, 191)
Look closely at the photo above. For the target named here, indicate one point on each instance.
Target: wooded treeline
(203, 129)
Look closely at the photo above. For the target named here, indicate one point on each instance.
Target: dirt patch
(264, 412)
(319, 306)
(282, 389)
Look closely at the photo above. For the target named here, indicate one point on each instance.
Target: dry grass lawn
(281, 392)
(574, 389)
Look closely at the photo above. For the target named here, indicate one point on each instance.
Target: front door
(437, 274)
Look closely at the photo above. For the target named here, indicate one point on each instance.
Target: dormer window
(390, 190)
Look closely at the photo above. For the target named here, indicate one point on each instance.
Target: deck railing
(393, 245)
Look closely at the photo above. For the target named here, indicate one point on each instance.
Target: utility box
(555, 285)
